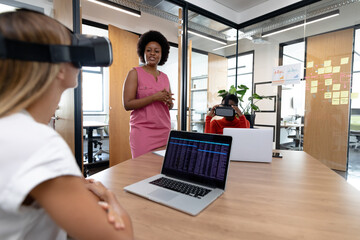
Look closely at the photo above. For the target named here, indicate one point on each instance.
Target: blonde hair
(22, 82)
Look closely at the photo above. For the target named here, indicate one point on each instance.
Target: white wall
(130, 23)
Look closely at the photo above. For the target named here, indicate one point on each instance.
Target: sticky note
(310, 64)
(321, 71)
(335, 101)
(344, 100)
(336, 69)
(328, 82)
(336, 87)
(327, 63)
(313, 90)
(314, 83)
(336, 94)
(327, 95)
(328, 69)
(354, 95)
(344, 60)
(344, 94)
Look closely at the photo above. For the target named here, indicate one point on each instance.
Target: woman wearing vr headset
(238, 120)
(42, 191)
(147, 93)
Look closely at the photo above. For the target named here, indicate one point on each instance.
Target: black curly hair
(153, 36)
(229, 97)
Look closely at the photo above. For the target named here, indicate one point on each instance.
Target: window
(244, 71)
(93, 89)
(95, 81)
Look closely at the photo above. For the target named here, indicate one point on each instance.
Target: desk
(90, 126)
(297, 127)
(295, 197)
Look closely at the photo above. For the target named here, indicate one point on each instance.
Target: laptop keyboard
(181, 187)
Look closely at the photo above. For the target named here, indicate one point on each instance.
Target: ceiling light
(6, 8)
(117, 7)
(209, 37)
(233, 44)
(302, 23)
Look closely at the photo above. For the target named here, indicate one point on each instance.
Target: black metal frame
(78, 130)
(279, 91)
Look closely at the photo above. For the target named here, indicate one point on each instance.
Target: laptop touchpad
(163, 195)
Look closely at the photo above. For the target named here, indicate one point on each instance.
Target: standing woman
(42, 191)
(147, 93)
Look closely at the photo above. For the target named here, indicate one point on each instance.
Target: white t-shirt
(30, 154)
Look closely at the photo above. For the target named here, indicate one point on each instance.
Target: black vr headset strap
(13, 49)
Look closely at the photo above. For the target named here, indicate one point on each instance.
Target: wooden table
(295, 197)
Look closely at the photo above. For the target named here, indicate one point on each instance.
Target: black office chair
(101, 132)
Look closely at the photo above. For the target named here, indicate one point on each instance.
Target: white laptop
(193, 174)
(251, 144)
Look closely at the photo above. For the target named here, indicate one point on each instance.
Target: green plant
(240, 92)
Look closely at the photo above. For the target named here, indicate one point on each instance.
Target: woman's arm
(129, 94)
(75, 209)
(209, 116)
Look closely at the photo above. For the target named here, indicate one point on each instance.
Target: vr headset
(84, 50)
(225, 111)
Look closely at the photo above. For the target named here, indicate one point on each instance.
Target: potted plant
(245, 107)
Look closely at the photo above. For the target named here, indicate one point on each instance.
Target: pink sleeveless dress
(150, 125)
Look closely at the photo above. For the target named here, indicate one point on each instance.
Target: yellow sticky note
(344, 100)
(344, 94)
(336, 69)
(327, 95)
(310, 64)
(336, 87)
(327, 63)
(335, 101)
(336, 94)
(321, 71)
(313, 90)
(314, 83)
(344, 60)
(354, 95)
(328, 82)
(328, 69)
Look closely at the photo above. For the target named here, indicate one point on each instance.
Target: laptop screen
(198, 157)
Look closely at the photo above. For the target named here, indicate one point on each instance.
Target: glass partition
(124, 31)
(211, 59)
(317, 113)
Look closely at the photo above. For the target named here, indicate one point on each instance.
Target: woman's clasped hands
(165, 97)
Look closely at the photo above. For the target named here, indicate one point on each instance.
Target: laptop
(193, 173)
(250, 144)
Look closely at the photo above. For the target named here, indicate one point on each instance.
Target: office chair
(100, 131)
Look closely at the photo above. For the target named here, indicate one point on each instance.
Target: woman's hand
(237, 110)
(108, 202)
(211, 113)
(170, 102)
(164, 96)
(113, 217)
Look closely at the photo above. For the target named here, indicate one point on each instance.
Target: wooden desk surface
(295, 197)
